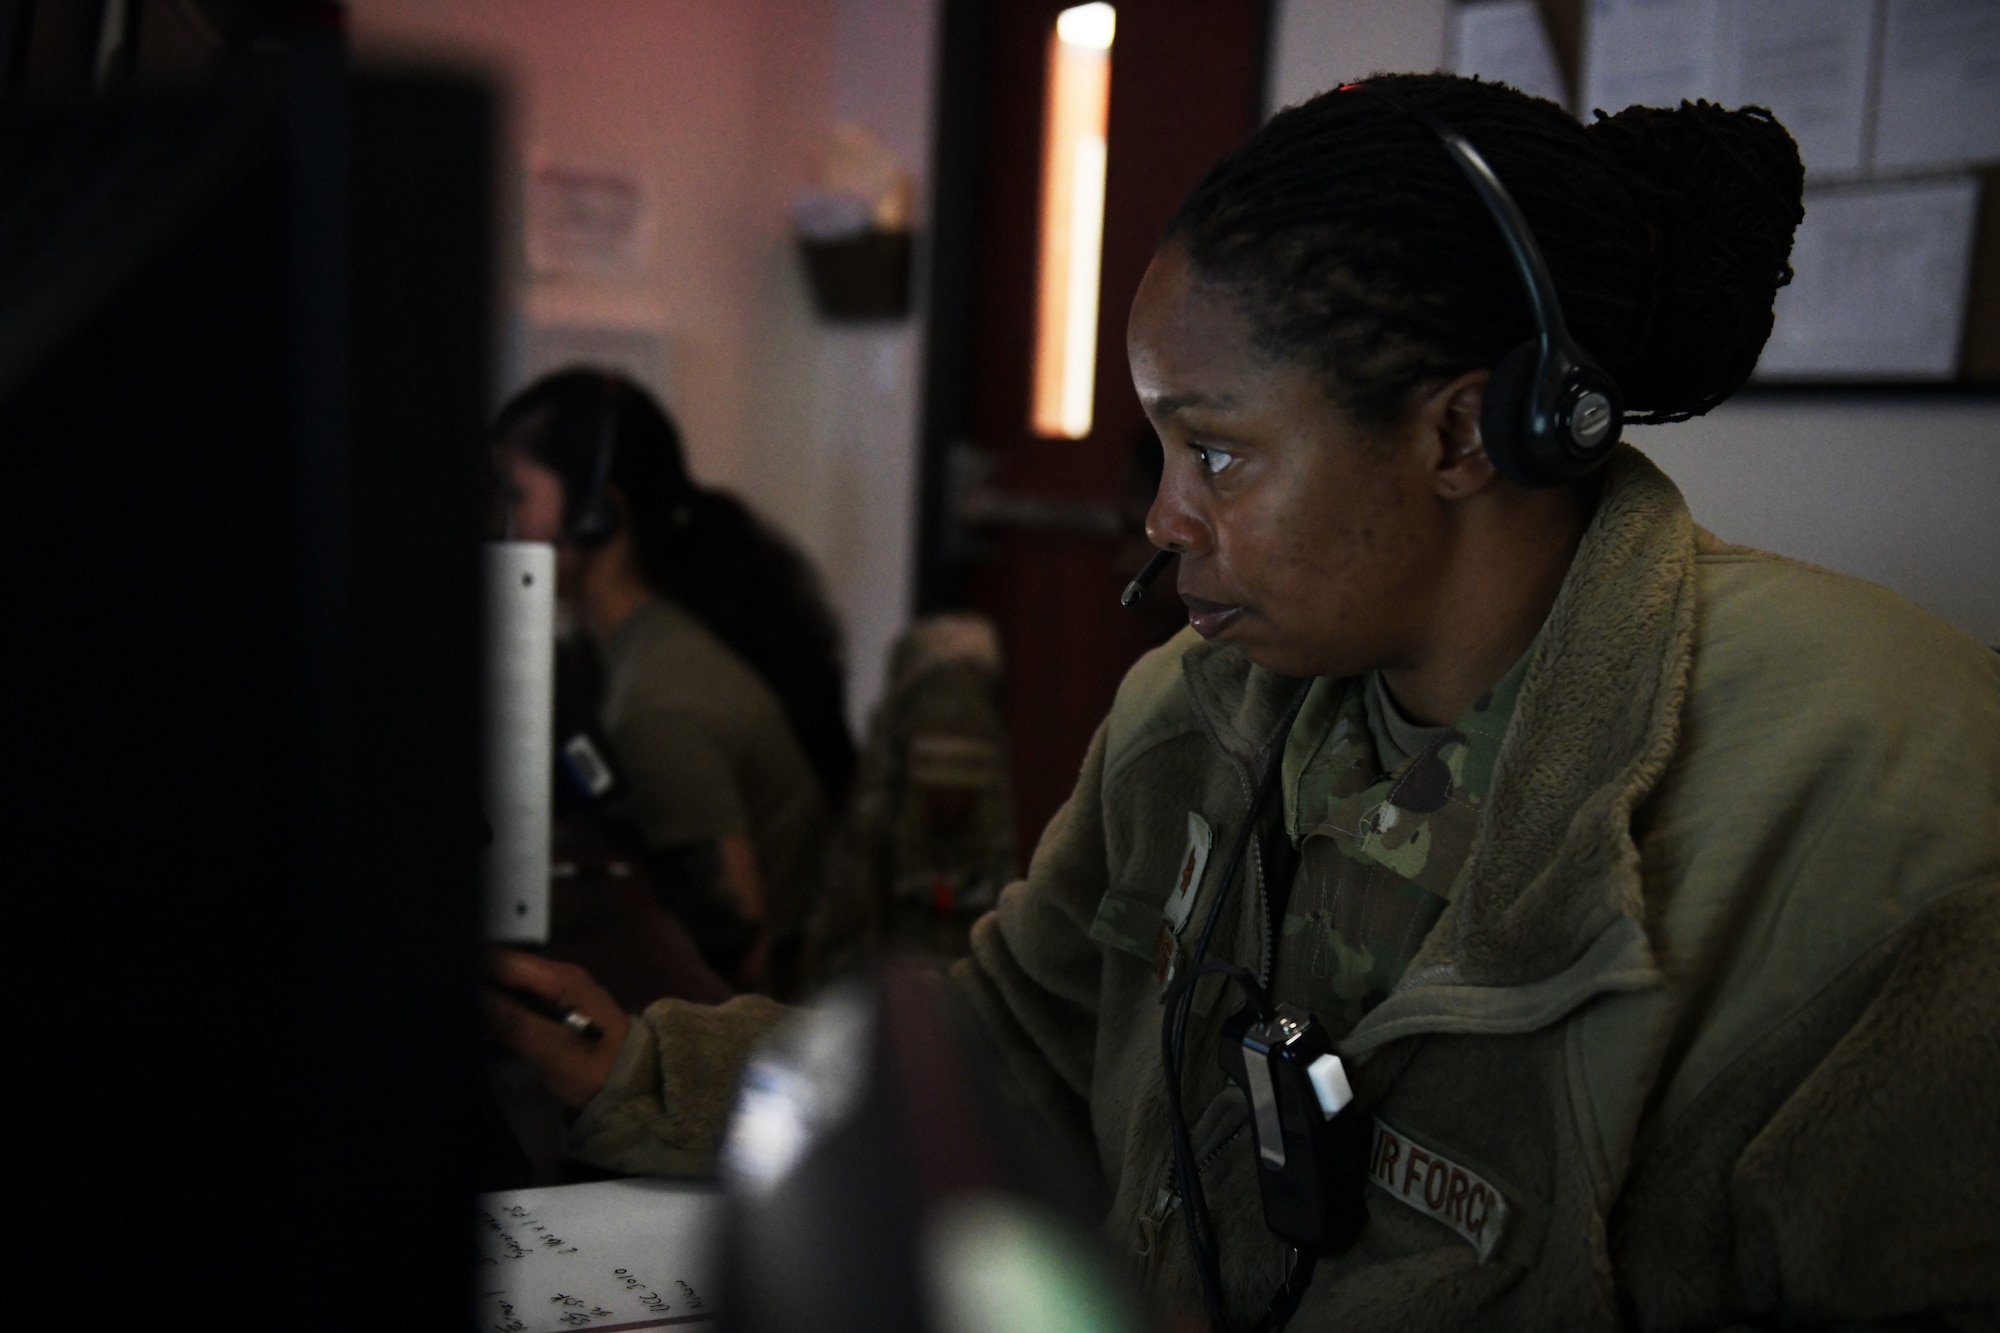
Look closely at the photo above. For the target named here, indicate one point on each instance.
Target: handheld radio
(1297, 1087)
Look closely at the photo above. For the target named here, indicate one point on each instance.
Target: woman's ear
(1457, 460)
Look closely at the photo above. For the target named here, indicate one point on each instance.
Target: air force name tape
(1439, 1188)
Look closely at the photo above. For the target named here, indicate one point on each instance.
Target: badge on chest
(1168, 954)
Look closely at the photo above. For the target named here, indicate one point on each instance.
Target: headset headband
(593, 521)
(1551, 414)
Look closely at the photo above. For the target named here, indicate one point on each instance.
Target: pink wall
(721, 106)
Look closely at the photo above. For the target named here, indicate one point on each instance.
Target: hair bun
(1728, 188)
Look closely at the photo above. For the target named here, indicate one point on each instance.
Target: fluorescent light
(1088, 26)
(1086, 253)
(1072, 223)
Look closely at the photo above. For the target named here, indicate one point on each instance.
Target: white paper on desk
(1807, 60)
(1650, 53)
(614, 1254)
(1882, 272)
(1506, 41)
(1940, 102)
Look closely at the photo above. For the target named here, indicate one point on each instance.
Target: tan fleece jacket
(1706, 1037)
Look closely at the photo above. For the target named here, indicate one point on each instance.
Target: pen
(549, 1009)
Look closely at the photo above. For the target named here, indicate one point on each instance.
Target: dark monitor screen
(244, 347)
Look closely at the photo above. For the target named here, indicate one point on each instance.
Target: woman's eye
(1213, 460)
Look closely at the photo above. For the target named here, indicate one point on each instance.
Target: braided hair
(1358, 247)
(702, 549)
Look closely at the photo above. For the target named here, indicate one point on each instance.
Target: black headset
(593, 519)
(1551, 414)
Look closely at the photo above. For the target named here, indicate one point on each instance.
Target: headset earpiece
(1551, 414)
(1503, 412)
(1548, 418)
(1574, 420)
(594, 525)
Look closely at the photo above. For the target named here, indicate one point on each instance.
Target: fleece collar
(1547, 909)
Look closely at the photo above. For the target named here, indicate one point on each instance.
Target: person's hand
(573, 1066)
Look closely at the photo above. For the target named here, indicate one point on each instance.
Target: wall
(871, 376)
(1904, 492)
(721, 108)
(1316, 44)
(1906, 496)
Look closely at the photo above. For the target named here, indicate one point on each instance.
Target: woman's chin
(1286, 659)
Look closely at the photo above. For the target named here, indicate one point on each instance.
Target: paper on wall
(1882, 272)
(614, 1254)
(587, 221)
(1940, 99)
(1506, 41)
(1651, 53)
(1806, 60)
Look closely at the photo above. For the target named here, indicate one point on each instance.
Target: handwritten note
(609, 1256)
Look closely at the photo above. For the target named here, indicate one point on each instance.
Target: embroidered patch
(1180, 902)
(1188, 883)
(1438, 1187)
(1166, 958)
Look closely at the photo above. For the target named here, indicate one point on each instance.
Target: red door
(1186, 83)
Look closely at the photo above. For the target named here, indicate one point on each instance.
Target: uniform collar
(1480, 730)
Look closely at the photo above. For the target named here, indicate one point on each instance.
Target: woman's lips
(1210, 618)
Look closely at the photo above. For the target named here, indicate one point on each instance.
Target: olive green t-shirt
(708, 752)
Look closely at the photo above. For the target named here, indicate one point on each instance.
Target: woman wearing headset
(722, 683)
(1647, 887)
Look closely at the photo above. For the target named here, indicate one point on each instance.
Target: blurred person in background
(718, 662)
(928, 842)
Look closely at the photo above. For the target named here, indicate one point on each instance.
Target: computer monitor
(244, 353)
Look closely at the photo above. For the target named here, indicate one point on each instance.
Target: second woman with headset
(721, 681)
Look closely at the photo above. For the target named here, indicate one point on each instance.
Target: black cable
(1173, 1043)
(1285, 1302)
(1179, 1002)
(1187, 1172)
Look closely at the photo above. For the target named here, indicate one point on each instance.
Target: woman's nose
(1172, 524)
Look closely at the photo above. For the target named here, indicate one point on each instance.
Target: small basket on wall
(864, 276)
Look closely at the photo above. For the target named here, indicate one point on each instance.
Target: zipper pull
(1151, 1223)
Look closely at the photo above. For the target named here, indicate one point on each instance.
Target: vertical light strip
(1072, 223)
(1086, 255)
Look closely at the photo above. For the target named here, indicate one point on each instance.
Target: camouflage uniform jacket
(1703, 1037)
(1377, 852)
